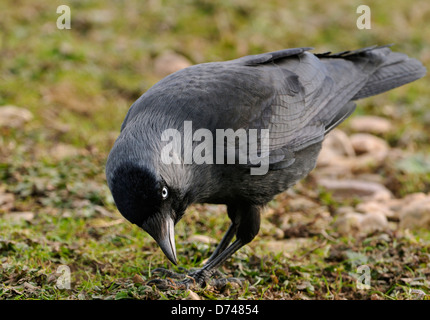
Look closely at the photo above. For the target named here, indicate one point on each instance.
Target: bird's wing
(312, 94)
(308, 98)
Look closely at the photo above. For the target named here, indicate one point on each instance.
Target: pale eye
(165, 193)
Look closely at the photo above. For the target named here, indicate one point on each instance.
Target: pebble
(375, 207)
(339, 143)
(373, 221)
(415, 214)
(287, 246)
(14, 117)
(368, 143)
(410, 212)
(301, 204)
(348, 222)
(138, 279)
(7, 201)
(18, 216)
(342, 155)
(201, 238)
(63, 151)
(370, 124)
(192, 295)
(361, 223)
(350, 188)
(169, 62)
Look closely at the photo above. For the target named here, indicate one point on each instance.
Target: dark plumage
(298, 96)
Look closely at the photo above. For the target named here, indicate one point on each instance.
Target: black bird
(294, 94)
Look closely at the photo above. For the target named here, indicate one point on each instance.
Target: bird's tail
(395, 69)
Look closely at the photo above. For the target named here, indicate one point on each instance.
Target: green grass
(79, 84)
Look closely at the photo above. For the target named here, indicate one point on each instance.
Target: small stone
(336, 148)
(344, 210)
(348, 222)
(192, 295)
(340, 144)
(7, 201)
(301, 204)
(303, 285)
(350, 188)
(201, 238)
(375, 207)
(287, 221)
(371, 222)
(366, 223)
(138, 279)
(368, 143)
(342, 155)
(398, 205)
(416, 214)
(370, 124)
(375, 296)
(170, 62)
(63, 151)
(278, 233)
(287, 246)
(14, 117)
(18, 216)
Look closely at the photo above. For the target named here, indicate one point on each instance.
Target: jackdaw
(293, 95)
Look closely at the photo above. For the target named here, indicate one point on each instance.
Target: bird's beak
(166, 240)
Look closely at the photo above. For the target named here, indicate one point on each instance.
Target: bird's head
(144, 198)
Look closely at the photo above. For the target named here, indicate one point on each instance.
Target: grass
(79, 84)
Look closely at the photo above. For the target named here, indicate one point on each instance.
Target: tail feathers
(387, 70)
(398, 69)
(351, 53)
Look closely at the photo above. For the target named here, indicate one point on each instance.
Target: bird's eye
(164, 193)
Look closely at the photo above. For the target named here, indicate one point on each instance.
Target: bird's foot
(170, 274)
(198, 278)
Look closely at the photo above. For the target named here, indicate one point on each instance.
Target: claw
(168, 273)
(197, 278)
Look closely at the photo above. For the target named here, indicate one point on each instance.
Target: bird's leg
(203, 275)
(229, 235)
(170, 274)
(246, 224)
